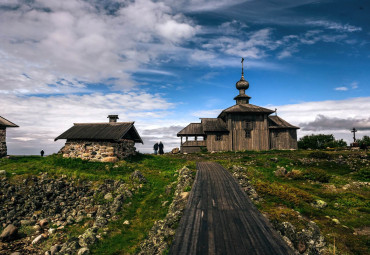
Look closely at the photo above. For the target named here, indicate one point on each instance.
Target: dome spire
(242, 85)
(242, 68)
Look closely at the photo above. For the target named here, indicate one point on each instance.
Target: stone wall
(3, 149)
(105, 151)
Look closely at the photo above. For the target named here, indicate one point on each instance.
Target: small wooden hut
(4, 123)
(243, 126)
(105, 142)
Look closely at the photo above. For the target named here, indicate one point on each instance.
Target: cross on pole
(242, 66)
(276, 111)
(354, 130)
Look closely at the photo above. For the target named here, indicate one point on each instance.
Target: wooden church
(243, 126)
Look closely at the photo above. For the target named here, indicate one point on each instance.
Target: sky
(164, 64)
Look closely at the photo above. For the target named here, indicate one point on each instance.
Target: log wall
(285, 140)
(3, 148)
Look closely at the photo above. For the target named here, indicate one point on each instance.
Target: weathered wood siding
(192, 146)
(259, 139)
(213, 145)
(286, 139)
(3, 149)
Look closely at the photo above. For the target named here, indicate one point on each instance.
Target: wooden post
(196, 138)
(186, 138)
(181, 140)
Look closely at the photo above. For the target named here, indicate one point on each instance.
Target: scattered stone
(274, 159)
(137, 175)
(126, 222)
(88, 238)
(109, 159)
(83, 251)
(108, 196)
(15, 253)
(2, 172)
(38, 239)
(43, 223)
(54, 249)
(336, 221)
(52, 231)
(280, 172)
(27, 222)
(320, 204)
(175, 151)
(10, 233)
(184, 195)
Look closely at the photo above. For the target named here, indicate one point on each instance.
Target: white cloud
(334, 25)
(341, 88)
(354, 85)
(45, 42)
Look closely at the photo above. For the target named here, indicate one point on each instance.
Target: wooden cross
(242, 66)
(275, 111)
(354, 130)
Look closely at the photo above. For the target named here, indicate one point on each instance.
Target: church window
(248, 125)
(218, 137)
(248, 134)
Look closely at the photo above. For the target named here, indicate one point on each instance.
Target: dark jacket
(155, 147)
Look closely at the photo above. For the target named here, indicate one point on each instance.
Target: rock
(280, 172)
(320, 204)
(108, 196)
(109, 159)
(274, 159)
(175, 151)
(336, 221)
(137, 175)
(43, 223)
(87, 238)
(27, 222)
(83, 251)
(10, 233)
(51, 231)
(38, 239)
(184, 195)
(54, 249)
(2, 172)
(126, 222)
(16, 253)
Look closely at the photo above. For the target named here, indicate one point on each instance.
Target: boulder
(2, 172)
(88, 238)
(83, 251)
(175, 151)
(109, 159)
(10, 233)
(108, 196)
(320, 204)
(137, 175)
(280, 172)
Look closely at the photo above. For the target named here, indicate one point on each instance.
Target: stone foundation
(99, 151)
(3, 149)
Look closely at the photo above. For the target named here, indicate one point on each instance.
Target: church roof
(102, 131)
(244, 108)
(6, 123)
(277, 122)
(214, 125)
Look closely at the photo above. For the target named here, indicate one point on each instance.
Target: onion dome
(242, 84)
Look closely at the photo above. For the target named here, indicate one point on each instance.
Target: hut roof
(245, 108)
(102, 131)
(277, 122)
(6, 123)
(214, 125)
(192, 129)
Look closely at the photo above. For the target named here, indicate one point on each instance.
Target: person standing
(160, 148)
(42, 153)
(155, 147)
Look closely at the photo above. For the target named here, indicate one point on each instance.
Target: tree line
(322, 141)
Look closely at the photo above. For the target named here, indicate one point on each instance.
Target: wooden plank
(221, 219)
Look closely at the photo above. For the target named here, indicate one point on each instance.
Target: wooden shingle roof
(277, 122)
(102, 131)
(245, 108)
(192, 129)
(214, 125)
(6, 123)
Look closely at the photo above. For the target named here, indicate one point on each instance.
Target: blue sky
(166, 63)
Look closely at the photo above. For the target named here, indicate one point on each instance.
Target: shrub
(320, 141)
(319, 155)
(317, 175)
